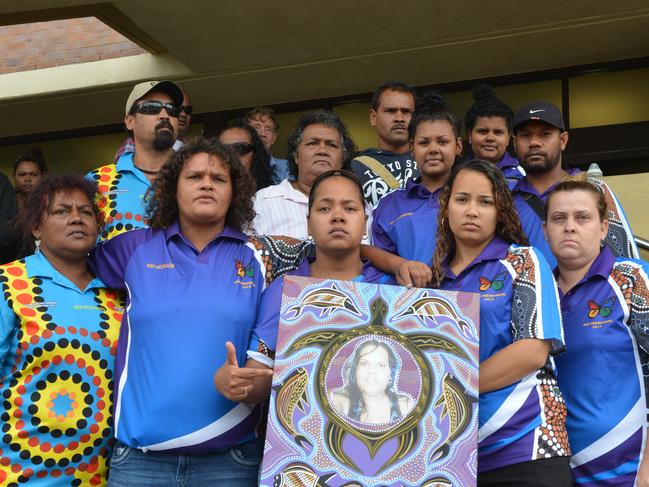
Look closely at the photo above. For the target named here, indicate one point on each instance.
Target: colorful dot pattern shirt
(123, 187)
(57, 353)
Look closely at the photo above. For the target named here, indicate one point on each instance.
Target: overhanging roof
(237, 54)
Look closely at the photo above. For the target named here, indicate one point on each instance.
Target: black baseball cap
(540, 110)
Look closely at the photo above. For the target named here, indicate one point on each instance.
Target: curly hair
(161, 201)
(39, 201)
(398, 86)
(579, 183)
(508, 227)
(487, 104)
(261, 171)
(433, 107)
(35, 155)
(330, 119)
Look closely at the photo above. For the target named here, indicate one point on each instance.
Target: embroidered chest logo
(497, 283)
(604, 310)
(243, 271)
(168, 265)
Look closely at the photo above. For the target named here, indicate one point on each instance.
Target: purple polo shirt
(511, 169)
(182, 306)
(405, 222)
(606, 323)
(518, 299)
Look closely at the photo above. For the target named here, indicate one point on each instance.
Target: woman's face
(373, 370)
(435, 148)
(240, 142)
(27, 177)
(204, 192)
(68, 229)
(573, 228)
(337, 218)
(472, 213)
(489, 138)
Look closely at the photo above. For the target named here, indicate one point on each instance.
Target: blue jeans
(237, 466)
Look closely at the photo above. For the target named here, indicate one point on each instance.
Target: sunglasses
(153, 107)
(240, 148)
(188, 109)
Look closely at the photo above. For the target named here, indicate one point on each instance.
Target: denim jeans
(235, 466)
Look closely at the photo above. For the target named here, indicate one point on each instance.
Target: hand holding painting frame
(374, 385)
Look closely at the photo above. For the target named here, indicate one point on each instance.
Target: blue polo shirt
(619, 238)
(511, 169)
(123, 186)
(606, 323)
(57, 355)
(405, 222)
(518, 299)
(182, 306)
(264, 338)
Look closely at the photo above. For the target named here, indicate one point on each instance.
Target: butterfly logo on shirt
(497, 283)
(604, 310)
(242, 270)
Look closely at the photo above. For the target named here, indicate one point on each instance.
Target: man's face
(391, 118)
(319, 151)
(266, 130)
(539, 146)
(158, 132)
(185, 119)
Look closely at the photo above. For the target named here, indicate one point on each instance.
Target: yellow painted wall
(631, 191)
(609, 98)
(357, 118)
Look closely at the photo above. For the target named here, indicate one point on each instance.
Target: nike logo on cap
(536, 111)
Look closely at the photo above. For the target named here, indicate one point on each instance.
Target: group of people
(162, 335)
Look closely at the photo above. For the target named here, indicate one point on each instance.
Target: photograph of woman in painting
(369, 394)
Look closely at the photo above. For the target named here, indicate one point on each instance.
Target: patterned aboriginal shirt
(606, 321)
(57, 354)
(518, 299)
(123, 187)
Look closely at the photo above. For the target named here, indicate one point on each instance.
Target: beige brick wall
(38, 45)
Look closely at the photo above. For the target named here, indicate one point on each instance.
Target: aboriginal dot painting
(57, 381)
(373, 386)
(121, 202)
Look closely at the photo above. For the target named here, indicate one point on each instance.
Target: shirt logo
(496, 283)
(604, 310)
(243, 271)
(169, 265)
(536, 111)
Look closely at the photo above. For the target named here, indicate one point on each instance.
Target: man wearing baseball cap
(540, 137)
(151, 119)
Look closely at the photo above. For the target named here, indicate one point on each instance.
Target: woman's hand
(412, 273)
(249, 384)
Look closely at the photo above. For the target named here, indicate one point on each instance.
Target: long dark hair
(356, 404)
(261, 170)
(162, 204)
(508, 227)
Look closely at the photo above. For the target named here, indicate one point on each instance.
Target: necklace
(148, 171)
